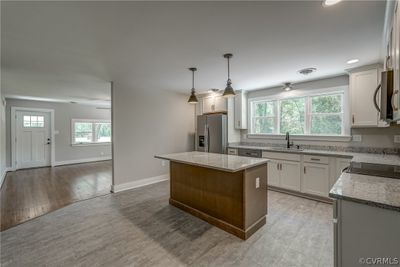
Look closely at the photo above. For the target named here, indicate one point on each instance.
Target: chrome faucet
(288, 144)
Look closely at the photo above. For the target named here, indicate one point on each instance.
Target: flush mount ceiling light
(228, 92)
(213, 91)
(193, 98)
(307, 71)
(287, 86)
(330, 2)
(352, 61)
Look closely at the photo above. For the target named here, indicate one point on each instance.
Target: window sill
(332, 138)
(92, 144)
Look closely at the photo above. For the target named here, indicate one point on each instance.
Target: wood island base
(235, 202)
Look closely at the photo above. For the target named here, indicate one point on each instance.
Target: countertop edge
(214, 167)
(366, 202)
(301, 152)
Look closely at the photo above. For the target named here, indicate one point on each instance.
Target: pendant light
(193, 98)
(228, 92)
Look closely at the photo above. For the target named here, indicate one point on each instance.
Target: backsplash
(356, 149)
(372, 139)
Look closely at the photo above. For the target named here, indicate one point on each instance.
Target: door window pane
(292, 115)
(33, 121)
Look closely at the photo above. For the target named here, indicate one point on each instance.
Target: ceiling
(71, 50)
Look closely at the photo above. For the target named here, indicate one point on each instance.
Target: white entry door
(32, 139)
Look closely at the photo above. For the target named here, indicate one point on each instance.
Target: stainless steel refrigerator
(212, 133)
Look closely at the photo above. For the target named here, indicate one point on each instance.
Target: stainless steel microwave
(385, 88)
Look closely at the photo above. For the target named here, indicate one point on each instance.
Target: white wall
(64, 112)
(371, 137)
(146, 123)
(2, 139)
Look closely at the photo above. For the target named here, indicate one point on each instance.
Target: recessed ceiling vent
(307, 71)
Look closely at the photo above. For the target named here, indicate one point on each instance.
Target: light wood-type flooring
(139, 228)
(30, 193)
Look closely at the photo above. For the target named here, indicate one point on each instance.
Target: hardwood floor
(30, 193)
(138, 228)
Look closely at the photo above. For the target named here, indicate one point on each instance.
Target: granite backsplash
(372, 150)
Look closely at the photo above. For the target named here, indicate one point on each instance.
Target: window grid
(97, 135)
(274, 116)
(33, 121)
(308, 113)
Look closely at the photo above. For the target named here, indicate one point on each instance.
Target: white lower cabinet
(290, 175)
(273, 173)
(309, 174)
(316, 179)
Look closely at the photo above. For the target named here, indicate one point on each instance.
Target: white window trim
(345, 136)
(87, 143)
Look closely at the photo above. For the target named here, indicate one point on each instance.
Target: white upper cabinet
(212, 104)
(240, 110)
(362, 88)
(395, 51)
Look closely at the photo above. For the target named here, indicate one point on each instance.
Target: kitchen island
(227, 191)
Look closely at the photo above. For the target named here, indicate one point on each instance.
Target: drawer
(316, 159)
(255, 153)
(283, 156)
(232, 151)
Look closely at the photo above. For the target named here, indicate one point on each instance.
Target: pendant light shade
(228, 92)
(193, 97)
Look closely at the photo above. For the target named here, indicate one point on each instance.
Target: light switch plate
(357, 138)
(163, 163)
(257, 182)
(397, 139)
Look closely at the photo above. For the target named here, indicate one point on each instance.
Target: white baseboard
(3, 175)
(76, 161)
(139, 183)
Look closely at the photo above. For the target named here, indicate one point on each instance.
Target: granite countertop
(376, 191)
(222, 162)
(371, 190)
(355, 156)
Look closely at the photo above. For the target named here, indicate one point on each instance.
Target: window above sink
(315, 114)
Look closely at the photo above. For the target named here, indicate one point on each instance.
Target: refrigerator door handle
(208, 139)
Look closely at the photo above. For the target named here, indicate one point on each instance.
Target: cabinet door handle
(392, 100)
(305, 170)
(277, 166)
(315, 159)
(353, 119)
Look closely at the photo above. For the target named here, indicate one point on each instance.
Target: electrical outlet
(397, 138)
(357, 138)
(163, 163)
(257, 182)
